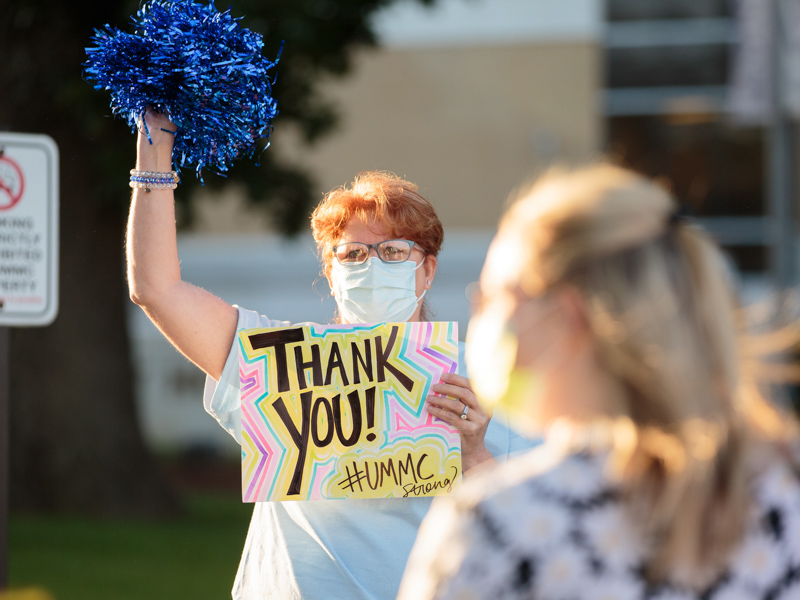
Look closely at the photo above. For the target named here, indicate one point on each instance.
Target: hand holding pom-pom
(156, 141)
(199, 67)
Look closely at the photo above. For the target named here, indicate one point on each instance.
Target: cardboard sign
(338, 411)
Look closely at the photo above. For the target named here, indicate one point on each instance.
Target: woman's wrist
(474, 457)
(155, 143)
(155, 157)
(153, 166)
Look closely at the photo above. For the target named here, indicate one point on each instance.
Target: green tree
(75, 442)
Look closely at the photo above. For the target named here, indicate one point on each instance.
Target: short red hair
(382, 196)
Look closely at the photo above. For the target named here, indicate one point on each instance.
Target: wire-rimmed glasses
(389, 251)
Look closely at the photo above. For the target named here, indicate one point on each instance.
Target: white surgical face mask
(375, 291)
(491, 357)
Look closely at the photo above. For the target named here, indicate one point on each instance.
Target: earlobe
(574, 312)
(430, 269)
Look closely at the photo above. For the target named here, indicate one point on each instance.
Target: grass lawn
(195, 556)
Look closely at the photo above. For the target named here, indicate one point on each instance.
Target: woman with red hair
(378, 241)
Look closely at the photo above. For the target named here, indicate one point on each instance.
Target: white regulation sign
(28, 229)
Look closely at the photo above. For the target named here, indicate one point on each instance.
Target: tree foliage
(76, 445)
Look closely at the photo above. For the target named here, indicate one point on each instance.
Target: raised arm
(195, 321)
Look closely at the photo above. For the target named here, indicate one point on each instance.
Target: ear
(429, 266)
(573, 311)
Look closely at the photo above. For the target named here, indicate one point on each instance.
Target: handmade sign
(338, 411)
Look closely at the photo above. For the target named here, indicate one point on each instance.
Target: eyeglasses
(389, 251)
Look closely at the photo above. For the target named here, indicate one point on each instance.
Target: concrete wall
(467, 125)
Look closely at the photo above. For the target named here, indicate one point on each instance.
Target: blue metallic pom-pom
(197, 65)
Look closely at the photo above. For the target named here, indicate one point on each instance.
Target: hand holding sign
(458, 406)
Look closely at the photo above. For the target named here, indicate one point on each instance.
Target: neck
(580, 391)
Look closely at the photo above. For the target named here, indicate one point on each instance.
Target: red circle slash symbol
(12, 183)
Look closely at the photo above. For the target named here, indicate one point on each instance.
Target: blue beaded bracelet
(151, 180)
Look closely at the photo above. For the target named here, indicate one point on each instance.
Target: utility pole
(780, 174)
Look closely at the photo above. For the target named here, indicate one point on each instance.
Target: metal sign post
(28, 269)
(5, 355)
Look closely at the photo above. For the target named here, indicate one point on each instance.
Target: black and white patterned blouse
(563, 534)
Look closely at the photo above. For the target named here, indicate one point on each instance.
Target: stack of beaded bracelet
(149, 180)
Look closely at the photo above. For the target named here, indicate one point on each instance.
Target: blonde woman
(609, 324)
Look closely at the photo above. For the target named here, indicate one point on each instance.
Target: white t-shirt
(328, 549)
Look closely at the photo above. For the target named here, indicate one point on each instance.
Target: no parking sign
(28, 229)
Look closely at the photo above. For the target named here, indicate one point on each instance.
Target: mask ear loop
(415, 269)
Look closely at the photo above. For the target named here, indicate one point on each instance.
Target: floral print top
(564, 534)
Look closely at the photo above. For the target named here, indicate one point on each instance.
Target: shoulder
(541, 471)
(767, 555)
(535, 500)
(512, 527)
(777, 483)
(250, 319)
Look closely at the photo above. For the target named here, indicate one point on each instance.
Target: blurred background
(469, 99)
